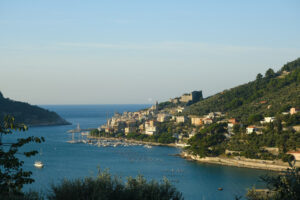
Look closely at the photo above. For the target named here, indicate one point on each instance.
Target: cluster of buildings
(147, 121)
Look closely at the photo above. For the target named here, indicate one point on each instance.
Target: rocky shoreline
(275, 165)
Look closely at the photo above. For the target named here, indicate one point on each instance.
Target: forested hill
(29, 114)
(268, 95)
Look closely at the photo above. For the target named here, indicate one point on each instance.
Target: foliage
(106, 187)
(29, 114)
(209, 141)
(285, 186)
(266, 96)
(252, 145)
(12, 176)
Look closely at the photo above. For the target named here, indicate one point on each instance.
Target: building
(251, 129)
(294, 111)
(162, 117)
(150, 128)
(180, 109)
(141, 127)
(155, 107)
(130, 130)
(181, 119)
(196, 121)
(207, 121)
(296, 154)
(194, 96)
(175, 100)
(131, 123)
(233, 121)
(297, 128)
(268, 120)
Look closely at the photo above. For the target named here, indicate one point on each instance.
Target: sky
(136, 52)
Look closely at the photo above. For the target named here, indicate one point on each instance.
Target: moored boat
(38, 164)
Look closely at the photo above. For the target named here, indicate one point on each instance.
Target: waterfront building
(130, 130)
(131, 123)
(150, 130)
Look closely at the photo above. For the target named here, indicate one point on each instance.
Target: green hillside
(267, 95)
(29, 114)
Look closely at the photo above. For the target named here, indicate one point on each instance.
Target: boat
(38, 164)
(147, 146)
(220, 189)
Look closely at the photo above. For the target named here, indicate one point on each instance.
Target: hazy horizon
(134, 52)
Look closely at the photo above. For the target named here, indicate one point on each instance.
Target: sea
(63, 160)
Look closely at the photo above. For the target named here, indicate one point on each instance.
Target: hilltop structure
(188, 98)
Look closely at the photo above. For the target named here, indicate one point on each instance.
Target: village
(156, 120)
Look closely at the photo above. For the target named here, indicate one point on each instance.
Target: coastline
(240, 162)
(268, 165)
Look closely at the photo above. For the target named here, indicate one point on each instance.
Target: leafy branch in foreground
(106, 187)
(285, 186)
(12, 176)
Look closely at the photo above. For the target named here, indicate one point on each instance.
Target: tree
(105, 186)
(259, 76)
(270, 73)
(12, 176)
(285, 186)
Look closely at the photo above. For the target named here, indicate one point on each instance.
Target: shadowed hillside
(29, 114)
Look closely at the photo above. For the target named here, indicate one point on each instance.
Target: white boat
(147, 146)
(38, 164)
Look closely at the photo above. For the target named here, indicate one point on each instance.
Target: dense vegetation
(209, 142)
(267, 95)
(284, 186)
(29, 114)
(164, 138)
(106, 187)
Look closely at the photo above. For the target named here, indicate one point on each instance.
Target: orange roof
(293, 151)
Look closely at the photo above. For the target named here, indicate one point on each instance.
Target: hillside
(29, 114)
(267, 95)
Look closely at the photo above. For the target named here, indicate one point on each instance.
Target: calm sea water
(64, 160)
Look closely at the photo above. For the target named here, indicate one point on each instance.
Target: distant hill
(268, 95)
(29, 114)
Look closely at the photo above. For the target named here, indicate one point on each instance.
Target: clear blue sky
(94, 52)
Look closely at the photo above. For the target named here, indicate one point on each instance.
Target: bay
(64, 160)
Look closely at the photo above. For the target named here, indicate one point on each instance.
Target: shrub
(105, 187)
